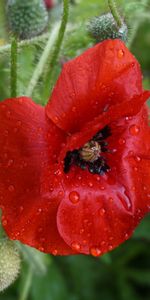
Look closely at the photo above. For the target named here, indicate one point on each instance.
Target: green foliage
(123, 274)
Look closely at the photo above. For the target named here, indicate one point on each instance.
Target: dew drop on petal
(137, 158)
(120, 53)
(95, 251)
(134, 130)
(102, 212)
(10, 162)
(74, 197)
(76, 246)
(90, 184)
(110, 247)
(21, 208)
(122, 141)
(11, 188)
(55, 252)
(56, 119)
(4, 222)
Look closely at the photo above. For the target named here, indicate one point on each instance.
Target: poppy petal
(100, 212)
(29, 142)
(102, 76)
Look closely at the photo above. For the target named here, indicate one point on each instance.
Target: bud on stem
(9, 263)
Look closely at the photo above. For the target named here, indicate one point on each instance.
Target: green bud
(9, 263)
(105, 27)
(27, 18)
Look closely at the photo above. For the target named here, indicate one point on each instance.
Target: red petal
(129, 108)
(100, 212)
(102, 76)
(29, 143)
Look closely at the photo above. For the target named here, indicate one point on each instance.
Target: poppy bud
(27, 18)
(9, 263)
(105, 27)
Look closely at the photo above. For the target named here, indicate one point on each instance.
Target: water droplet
(40, 229)
(110, 247)
(55, 119)
(103, 243)
(134, 130)
(55, 252)
(137, 158)
(95, 251)
(126, 236)
(10, 162)
(74, 197)
(102, 211)
(4, 222)
(76, 246)
(84, 242)
(122, 141)
(61, 193)
(120, 53)
(21, 208)
(41, 249)
(39, 210)
(11, 188)
(90, 184)
(102, 188)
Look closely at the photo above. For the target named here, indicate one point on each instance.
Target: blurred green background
(123, 274)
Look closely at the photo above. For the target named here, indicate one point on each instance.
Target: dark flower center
(90, 156)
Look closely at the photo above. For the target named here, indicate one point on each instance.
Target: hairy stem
(5, 49)
(58, 44)
(43, 60)
(115, 13)
(27, 284)
(13, 69)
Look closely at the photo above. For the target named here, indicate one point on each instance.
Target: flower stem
(58, 44)
(43, 60)
(115, 13)
(13, 70)
(27, 285)
(5, 49)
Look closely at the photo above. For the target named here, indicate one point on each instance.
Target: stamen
(90, 151)
(90, 156)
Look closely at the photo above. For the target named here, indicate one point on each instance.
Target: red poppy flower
(74, 177)
(49, 3)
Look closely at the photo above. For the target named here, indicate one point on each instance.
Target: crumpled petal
(100, 212)
(90, 84)
(29, 143)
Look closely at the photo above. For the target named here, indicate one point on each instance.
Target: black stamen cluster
(99, 166)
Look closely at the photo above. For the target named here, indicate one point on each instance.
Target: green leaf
(50, 287)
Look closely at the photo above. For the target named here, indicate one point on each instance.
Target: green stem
(5, 49)
(27, 285)
(115, 13)
(43, 60)
(13, 70)
(133, 33)
(58, 44)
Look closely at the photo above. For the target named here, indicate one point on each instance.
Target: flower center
(90, 156)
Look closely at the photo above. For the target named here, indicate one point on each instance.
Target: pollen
(90, 151)
(91, 156)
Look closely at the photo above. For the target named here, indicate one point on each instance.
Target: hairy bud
(28, 18)
(105, 27)
(9, 263)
